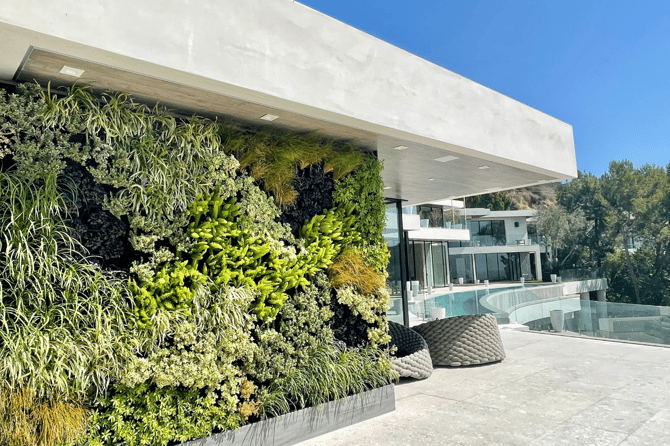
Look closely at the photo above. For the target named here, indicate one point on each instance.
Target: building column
(526, 267)
(448, 263)
(474, 269)
(538, 266)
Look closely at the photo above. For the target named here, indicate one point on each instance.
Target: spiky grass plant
(350, 270)
(333, 372)
(157, 163)
(273, 157)
(62, 320)
(26, 420)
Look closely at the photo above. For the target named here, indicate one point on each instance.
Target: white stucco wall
(513, 234)
(284, 54)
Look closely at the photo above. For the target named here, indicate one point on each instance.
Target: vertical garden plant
(226, 286)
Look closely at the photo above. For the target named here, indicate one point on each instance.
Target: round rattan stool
(412, 356)
(463, 340)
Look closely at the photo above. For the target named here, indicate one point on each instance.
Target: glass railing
(449, 219)
(536, 306)
(641, 323)
(410, 210)
(456, 303)
(489, 240)
(580, 274)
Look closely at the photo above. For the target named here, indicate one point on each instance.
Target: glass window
(460, 266)
(411, 271)
(419, 259)
(492, 267)
(480, 266)
(439, 267)
(474, 228)
(433, 215)
(498, 232)
(532, 233)
(394, 284)
(484, 228)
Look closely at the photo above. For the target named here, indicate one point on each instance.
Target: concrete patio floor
(550, 390)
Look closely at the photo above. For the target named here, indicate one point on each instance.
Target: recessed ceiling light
(482, 167)
(400, 147)
(431, 179)
(269, 117)
(446, 159)
(493, 189)
(387, 188)
(69, 71)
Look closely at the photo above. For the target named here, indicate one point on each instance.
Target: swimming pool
(463, 303)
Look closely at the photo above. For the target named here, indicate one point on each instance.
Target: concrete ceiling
(412, 174)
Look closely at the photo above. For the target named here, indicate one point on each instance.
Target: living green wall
(162, 279)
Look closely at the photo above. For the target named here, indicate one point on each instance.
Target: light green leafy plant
(185, 379)
(172, 287)
(230, 254)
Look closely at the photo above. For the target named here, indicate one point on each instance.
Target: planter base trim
(301, 425)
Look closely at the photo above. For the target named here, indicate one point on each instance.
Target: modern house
(279, 63)
(447, 243)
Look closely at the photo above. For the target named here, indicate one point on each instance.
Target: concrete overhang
(475, 212)
(247, 59)
(507, 214)
(440, 234)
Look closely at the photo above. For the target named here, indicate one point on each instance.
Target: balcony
(436, 217)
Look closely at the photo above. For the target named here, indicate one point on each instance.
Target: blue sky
(602, 66)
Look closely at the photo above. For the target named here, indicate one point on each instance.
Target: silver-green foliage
(303, 325)
(364, 191)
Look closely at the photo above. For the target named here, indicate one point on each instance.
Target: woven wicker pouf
(463, 340)
(412, 356)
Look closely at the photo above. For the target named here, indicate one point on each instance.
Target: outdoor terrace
(550, 390)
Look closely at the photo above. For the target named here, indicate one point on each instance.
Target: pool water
(463, 303)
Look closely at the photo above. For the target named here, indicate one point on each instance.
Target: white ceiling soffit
(283, 59)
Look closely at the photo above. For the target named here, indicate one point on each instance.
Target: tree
(652, 290)
(585, 193)
(560, 229)
(497, 201)
(636, 203)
